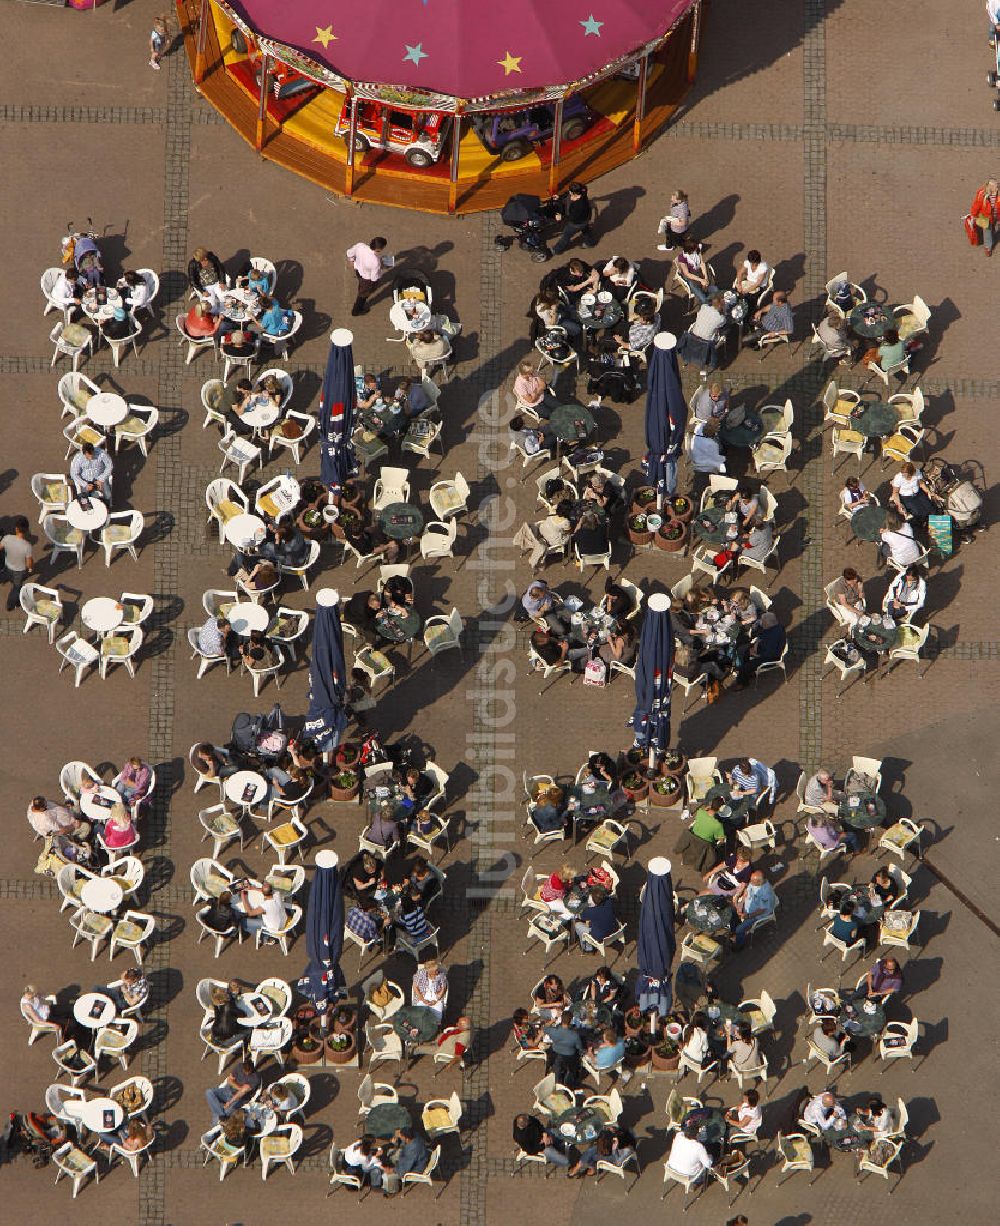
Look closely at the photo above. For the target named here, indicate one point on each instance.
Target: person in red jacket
(986, 213)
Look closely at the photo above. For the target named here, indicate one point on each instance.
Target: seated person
(555, 887)
(261, 577)
(906, 595)
(597, 488)
(709, 321)
(687, 1154)
(216, 637)
(749, 778)
(742, 1050)
(239, 342)
(45, 1013)
(552, 649)
(411, 1153)
(134, 781)
(258, 652)
(119, 326)
(548, 813)
(421, 878)
(429, 988)
(736, 866)
(743, 607)
(226, 1024)
(820, 793)
(706, 454)
(293, 787)
(199, 322)
(131, 992)
(835, 336)
(67, 291)
(826, 1040)
(529, 388)
(845, 926)
(370, 391)
(233, 401)
(848, 594)
(700, 843)
(888, 353)
(828, 833)
(219, 915)
(601, 770)
(883, 886)
(364, 1159)
(206, 274)
(910, 494)
(262, 906)
(884, 978)
(364, 873)
(528, 1134)
(620, 275)
(898, 542)
(132, 1136)
(597, 920)
(383, 829)
(752, 277)
(604, 988)
(745, 504)
(90, 471)
(773, 320)
(119, 831)
(711, 400)
(427, 346)
(541, 604)
(577, 279)
(284, 545)
(411, 397)
(549, 310)
(527, 1031)
(749, 1115)
(531, 439)
(365, 920)
(691, 269)
(609, 1050)
(642, 329)
(412, 919)
(757, 902)
(361, 612)
(767, 645)
(874, 1117)
(47, 819)
(550, 997)
(622, 645)
(823, 1111)
(591, 536)
(613, 1145)
(565, 1050)
(274, 319)
(854, 496)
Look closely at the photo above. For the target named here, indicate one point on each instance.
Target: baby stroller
(527, 216)
(79, 248)
(33, 1133)
(258, 740)
(960, 486)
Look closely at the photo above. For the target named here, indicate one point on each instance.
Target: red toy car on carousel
(286, 81)
(418, 135)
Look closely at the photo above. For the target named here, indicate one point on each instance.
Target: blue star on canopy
(592, 25)
(416, 54)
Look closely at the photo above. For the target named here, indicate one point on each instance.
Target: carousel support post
(456, 150)
(351, 136)
(695, 42)
(640, 103)
(265, 72)
(556, 148)
(199, 56)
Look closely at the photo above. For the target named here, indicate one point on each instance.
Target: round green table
(385, 1119)
(875, 420)
(401, 521)
(572, 423)
(747, 434)
(711, 1126)
(415, 1018)
(710, 526)
(710, 913)
(867, 522)
(581, 1125)
(858, 1015)
(396, 629)
(858, 816)
(870, 320)
(739, 809)
(875, 637)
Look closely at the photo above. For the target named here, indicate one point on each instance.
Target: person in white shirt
(48, 819)
(823, 1111)
(710, 401)
(687, 1154)
(709, 321)
(993, 12)
(898, 542)
(364, 1158)
(262, 907)
(906, 594)
(367, 262)
(696, 1039)
(876, 1118)
(706, 454)
(65, 293)
(752, 277)
(674, 226)
(749, 1115)
(910, 495)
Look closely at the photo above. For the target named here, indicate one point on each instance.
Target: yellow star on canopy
(510, 63)
(325, 36)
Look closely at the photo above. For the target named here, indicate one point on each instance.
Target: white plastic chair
(240, 453)
(219, 939)
(215, 1146)
(205, 661)
(140, 423)
(78, 1165)
(280, 344)
(302, 572)
(152, 281)
(41, 606)
(194, 343)
(442, 633)
(120, 343)
(391, 485)
(281, 935)
(122, 647)
(114, 1041)
(130, 932)
(224, 499)
(278, 1148)
(48, 282)
(449, 498)
(64, 538)
(121, 531)
(771, 454)
(64, 348)
(77, 652)
(438, 539)
(52, 492)
(306, 423)
(260, 673)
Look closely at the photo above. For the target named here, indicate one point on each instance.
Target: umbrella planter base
(636, 787)
(672, 537)
(346, 757)
(663, 1063)
(662, 796)
(302, 1057)
(681, 509)
(638, 533)
(674, 764)
(344, 786)
(643, 500)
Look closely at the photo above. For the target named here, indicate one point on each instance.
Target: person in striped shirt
(412, 918)
(749, 778)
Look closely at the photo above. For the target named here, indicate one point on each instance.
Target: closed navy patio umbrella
(327, 717)
(653, 670)
(657, 942)
(336, 413)
(323, 980)
(666, 417)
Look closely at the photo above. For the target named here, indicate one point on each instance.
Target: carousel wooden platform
(299, 134)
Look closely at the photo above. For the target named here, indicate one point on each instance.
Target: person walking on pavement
(157, 41)
(986, 213)
(17, 560)
(366, 260)
(574, 210)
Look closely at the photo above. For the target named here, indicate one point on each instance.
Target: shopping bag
(972, 231)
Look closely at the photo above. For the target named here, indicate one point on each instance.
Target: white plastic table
(256, 1007)
(260, 413)
(102, 614)
(244, 530)
(107, 409)
(403, 322)
(236, 785)
(102, 894)
(90, 807)
(87, 1013)
(87, 521)
(246, 616)
(101, 1114)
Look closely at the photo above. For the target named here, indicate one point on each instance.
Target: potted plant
(673, 763)
(637, 1052)
(351, 495)
(665, 791)
(681, 508)
(635, 786)
(636, 757)
(632, 1022)
(344, 785)
(307, 1046)
(339, 1047)
(643, 498)
(665, 1055)
(313, 522)
(672, 536)
(638, 533)
(347, 755)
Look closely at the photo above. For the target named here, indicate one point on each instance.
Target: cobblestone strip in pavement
(483, 755)
(810, 630)
(15, 113)
(166, 559)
